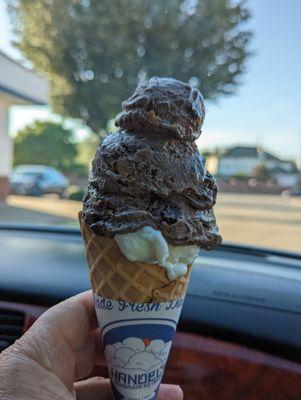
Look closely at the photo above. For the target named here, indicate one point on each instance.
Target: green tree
(262, 173)
(86, 150)
(46, 143)
(95, 51)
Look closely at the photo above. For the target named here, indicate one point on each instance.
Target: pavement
(269, 221)
(39, 210)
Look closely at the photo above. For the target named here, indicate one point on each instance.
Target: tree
(46, 143)
(94, 52)
(262, 173)
(86, 150)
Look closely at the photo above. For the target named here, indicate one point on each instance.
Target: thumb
(95, 388)
(98, 388)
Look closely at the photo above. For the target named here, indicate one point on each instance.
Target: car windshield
(66, 67)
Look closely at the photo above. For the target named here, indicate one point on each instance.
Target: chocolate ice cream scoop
(151, 173)
(166, 106)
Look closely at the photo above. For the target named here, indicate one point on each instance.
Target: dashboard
(241, 318)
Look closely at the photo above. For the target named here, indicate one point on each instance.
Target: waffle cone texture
(113, 276)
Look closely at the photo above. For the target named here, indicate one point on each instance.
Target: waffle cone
(113, 276)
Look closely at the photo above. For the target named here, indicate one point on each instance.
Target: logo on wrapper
(137, 339)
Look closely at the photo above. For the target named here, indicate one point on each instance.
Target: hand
(62, 347)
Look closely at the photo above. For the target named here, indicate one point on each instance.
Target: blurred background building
(18, 86)
(253, 161)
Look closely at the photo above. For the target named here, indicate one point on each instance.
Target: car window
(35, 175)
(60, 104)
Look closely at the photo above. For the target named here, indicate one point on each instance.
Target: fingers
(71, 320)
(89, 355)
(87, 299)
(96, 388)
(100, 389)
(170, 392)
(56, 337)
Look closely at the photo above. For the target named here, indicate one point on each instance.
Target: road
(270, 221)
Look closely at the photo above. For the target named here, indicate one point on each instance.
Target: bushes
(76, 193)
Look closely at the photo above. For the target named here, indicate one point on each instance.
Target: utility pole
(299, 163)
(258, 141)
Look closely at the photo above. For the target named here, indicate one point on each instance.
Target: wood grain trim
(210, 369)
(207, 368)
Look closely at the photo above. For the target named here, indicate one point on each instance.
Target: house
(287, 176)
(243, 160)
(18, 86)
(239, 160)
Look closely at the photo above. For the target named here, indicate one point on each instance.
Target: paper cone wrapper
(138, 309)
(137, 338)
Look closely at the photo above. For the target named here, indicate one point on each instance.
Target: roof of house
(281, 170)
(20, 85)
(241, 152)
(249, 152)
(271, 157)
(19, 63)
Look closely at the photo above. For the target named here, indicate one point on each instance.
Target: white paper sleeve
(137, 339)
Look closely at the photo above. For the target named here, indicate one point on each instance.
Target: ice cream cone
(149, 198)
(114, 277)
(138, 309)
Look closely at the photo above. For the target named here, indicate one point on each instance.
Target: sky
(266, 109)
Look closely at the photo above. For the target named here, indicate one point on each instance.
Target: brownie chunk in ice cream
(150, 173)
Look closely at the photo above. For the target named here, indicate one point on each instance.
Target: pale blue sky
(267, 106)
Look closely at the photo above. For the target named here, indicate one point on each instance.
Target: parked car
(293, 192)
(36, 180)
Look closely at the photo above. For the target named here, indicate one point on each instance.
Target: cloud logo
(137, 354)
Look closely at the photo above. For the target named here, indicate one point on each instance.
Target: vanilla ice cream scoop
(148, 245)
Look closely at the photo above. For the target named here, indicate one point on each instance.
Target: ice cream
(147, 212)
(150, 176)
(149, 246)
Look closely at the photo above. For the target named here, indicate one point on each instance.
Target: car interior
(239, 330)
(173, 124)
